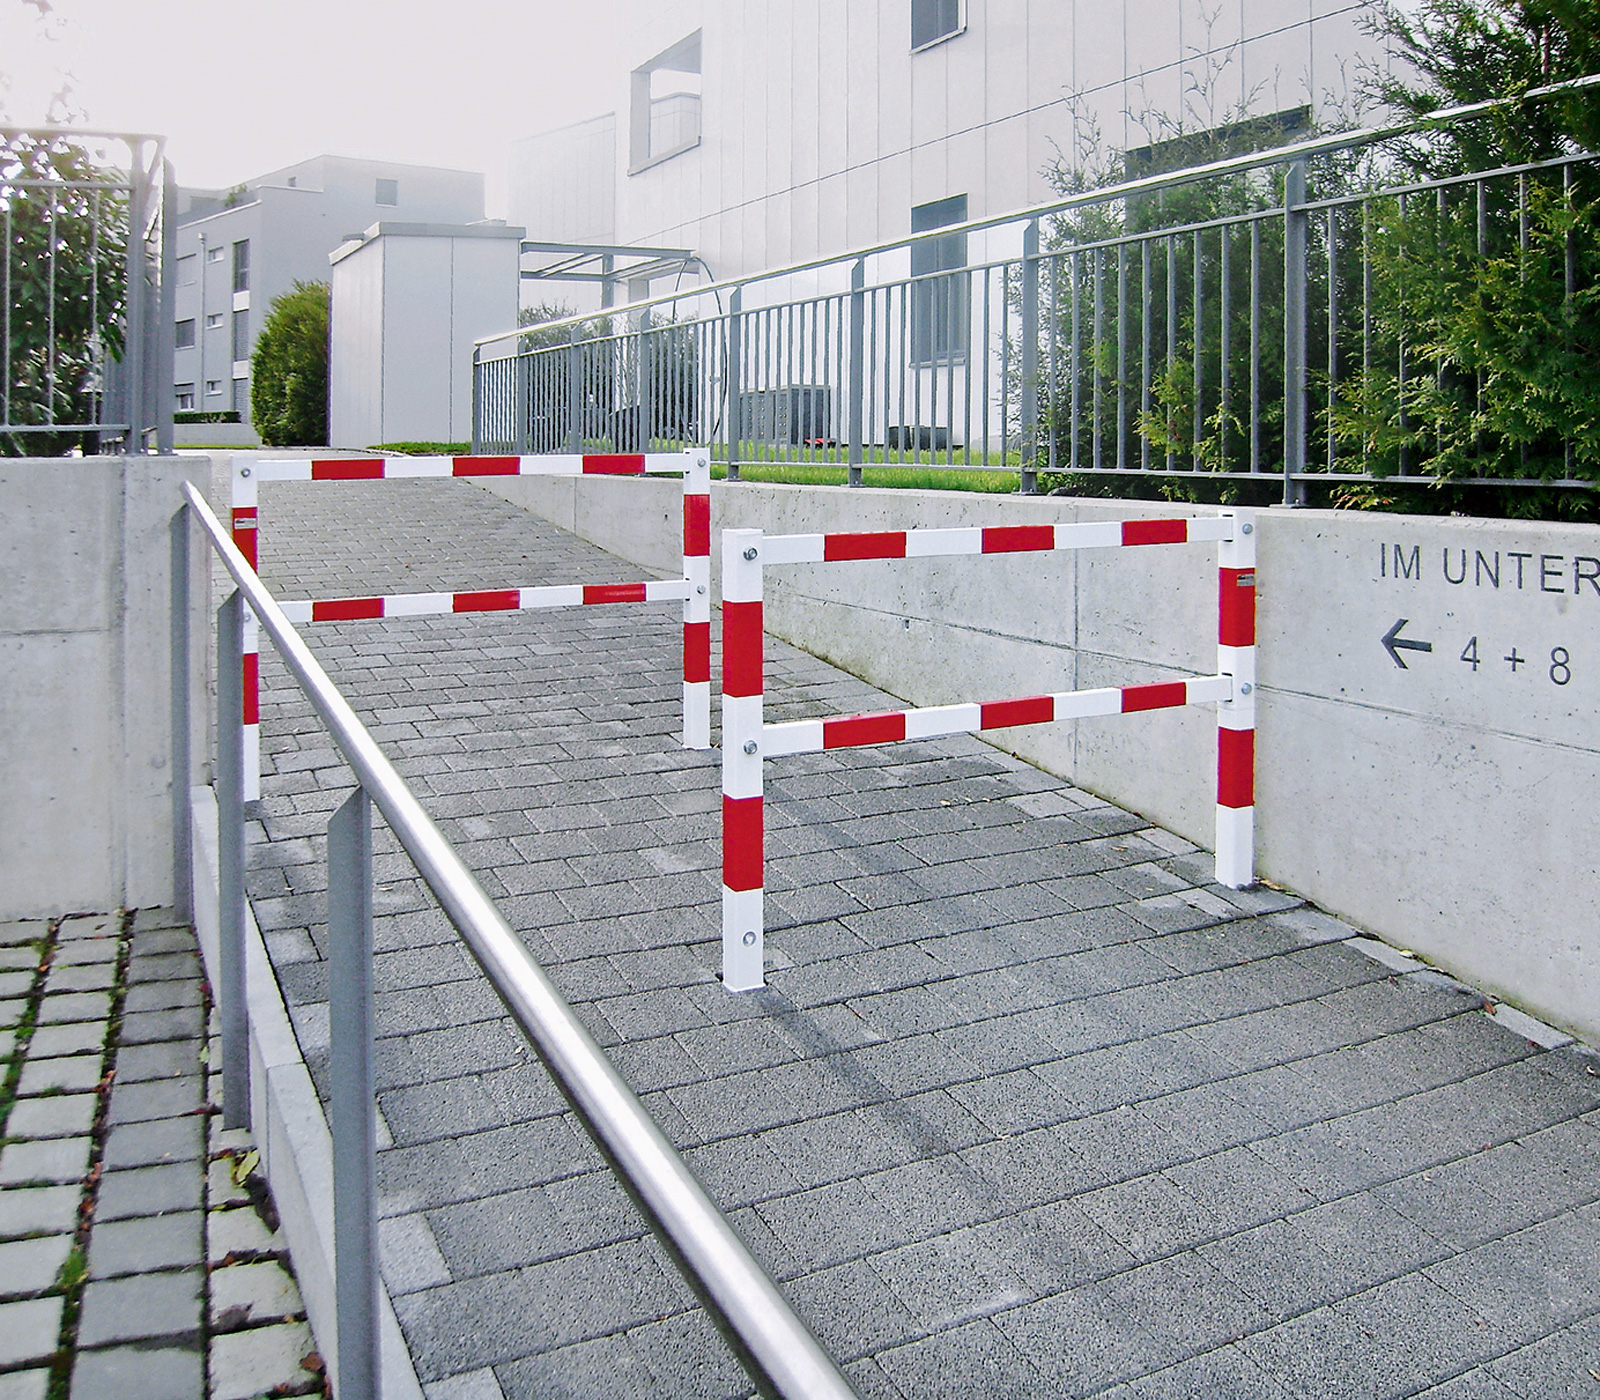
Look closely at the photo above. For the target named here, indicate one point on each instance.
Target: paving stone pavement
(1030, 1107)
(136, 1261)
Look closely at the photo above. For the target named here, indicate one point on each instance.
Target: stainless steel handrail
(784, 1358)
(1126, 189)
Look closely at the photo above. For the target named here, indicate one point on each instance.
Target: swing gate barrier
(748, 741)
(693, 588)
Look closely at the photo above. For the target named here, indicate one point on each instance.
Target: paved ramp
(1030, 1107)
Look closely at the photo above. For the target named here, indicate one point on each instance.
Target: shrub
(289, 370)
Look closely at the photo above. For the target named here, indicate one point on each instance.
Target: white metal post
(1236, 718)
(743, 831)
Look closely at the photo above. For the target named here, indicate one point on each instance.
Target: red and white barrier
(747, 740)
(693, 588)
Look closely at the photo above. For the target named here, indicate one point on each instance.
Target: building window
(186, 272)
(936, 20)
(664, 113)
(940, 310)
(388, 192)
(213, 387)
(294, 180)
(241, 265)
(213, 320)
(215, 254)
(184, 338)
(241, 335)
(241, 396)
(185, 397)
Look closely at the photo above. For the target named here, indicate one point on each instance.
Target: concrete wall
(1446, 806)
(85, 681)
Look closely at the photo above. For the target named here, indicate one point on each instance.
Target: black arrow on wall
(1394, 644)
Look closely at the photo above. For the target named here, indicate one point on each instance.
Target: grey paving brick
(51, 1160)
(32, 1265)
(138, 1373)
(75, 977)
(134, 1246)
(39, 1210)
(145, 1306)
(74, 1074)
(180, 1023)
(155, 1142)
(56, 1115)
(155, 1098)
(74, 1006)
(974, 1358)
(147, 1191)
(85, 1037)
(172, 1059)
(29, 1330)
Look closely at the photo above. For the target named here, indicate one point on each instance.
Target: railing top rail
(781, 1353)
(1127, 189)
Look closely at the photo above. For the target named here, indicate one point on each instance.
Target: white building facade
(239, 250)
(761, 134)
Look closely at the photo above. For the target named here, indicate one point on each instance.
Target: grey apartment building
(240, 249)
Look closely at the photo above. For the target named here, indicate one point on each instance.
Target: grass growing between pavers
(74, 1274)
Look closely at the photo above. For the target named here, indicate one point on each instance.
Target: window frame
(944, 36)
(378, 190)
(940, 308)
(178, 340)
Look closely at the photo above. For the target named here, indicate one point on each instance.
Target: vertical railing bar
(1255, 345)
(1098, 390)
(1333, 335)
(731, 378)
(1224, 342)
(182, 714)
(1146, 301)
(1169, 366)
(1075, 281)
(1053, 419)
(1028, 389)
(351, 1104)
(1198, 317)
(1122, 356)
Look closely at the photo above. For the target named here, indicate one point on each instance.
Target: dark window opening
(940, 310)
(933, 20)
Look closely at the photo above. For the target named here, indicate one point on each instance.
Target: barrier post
(232, 774)
(743, 833)
(244, 536)
(697, 605)
(1236, 718)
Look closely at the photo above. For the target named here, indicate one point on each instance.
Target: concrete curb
(289, 1125)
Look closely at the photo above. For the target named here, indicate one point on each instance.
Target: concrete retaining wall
(85, 683)
(1447, 805)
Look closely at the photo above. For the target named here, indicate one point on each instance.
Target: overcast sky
(241, 87)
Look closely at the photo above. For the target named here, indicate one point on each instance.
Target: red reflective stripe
(250, 675)
(347, 469)
(1153, 697)
(883, 728)
(243, 513)
(1155, 531)
(1236, 767)
(879, 544)
(344, 609)
(613, 593)
(244, 539)
(741, 648)
(614, 464)
(1016, 539)
(697, 651)
(1034, 709)
(697, 525)
(497, 600)
(485, 466)
(742, 830)
(1236, 621)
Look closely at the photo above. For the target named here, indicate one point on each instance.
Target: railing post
(138, 302)
(731, 383)
(477, 399)
(1030, 357)
(743, 829)
(574, 392)
(855, 389)
(1295, 229)
(351, 1084)
(643, 374)
(521, 370)
(182, 765)
(160, 367)
(230, 863)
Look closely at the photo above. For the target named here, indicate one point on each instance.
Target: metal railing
(86, 294)
(781, 1355)
(1241, 319)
